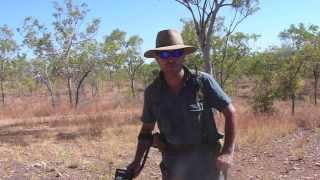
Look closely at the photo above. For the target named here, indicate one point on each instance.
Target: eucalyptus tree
(98, 76)
(45, 65)
(206, 19)
(230, 54)
(290, 74)
(68, 20)
(21, 75)
(314, 51)
(229, 51)
(46, 72)
(262, 69)
(113, 53)
(297, 42)
(8, 47)
(133, 60)
(68, 34)
(84, 61)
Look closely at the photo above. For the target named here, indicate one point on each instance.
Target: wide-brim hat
(168, 40)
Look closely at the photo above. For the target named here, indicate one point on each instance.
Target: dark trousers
(195, 164)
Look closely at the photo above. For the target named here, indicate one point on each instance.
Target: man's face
(170, 61)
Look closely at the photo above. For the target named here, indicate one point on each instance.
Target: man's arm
(142, 146)
(229, 129)
(225, 159)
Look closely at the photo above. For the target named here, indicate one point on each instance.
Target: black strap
(149, 138)
(145, 137)
(145, 156)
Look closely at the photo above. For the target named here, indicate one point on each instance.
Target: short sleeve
(216, 97)
(147, 113)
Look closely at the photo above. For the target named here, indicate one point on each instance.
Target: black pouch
(123, 174)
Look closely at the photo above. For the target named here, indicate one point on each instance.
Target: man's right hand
(135, 168)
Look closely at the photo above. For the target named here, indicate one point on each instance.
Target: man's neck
(175, 80)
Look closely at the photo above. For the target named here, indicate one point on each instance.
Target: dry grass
(39, 105)
(93, 139)
(260, 129)
(101, 134)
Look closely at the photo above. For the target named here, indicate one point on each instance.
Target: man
(181, 102)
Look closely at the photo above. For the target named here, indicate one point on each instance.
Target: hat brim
(187, 50)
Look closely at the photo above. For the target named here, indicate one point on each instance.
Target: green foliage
(7, 43)
(8, 47)
(149, 72)
(190, 37)
(299, 36)
(230, 56)
(20, 74)
(298, 51)
(112, 52)
(189, 34)
(29, 84)
(68, 51)
(133, 59)
(263, 69)
(263, 100)
(121, 55)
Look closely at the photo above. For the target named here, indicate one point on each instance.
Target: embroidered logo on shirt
(195, 107)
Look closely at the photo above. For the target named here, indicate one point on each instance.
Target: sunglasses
(167, 54)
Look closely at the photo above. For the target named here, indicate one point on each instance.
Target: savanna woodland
(71, 105)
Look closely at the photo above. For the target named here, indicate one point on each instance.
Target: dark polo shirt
(182, 118)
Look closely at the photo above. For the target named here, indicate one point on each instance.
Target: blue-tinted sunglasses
(167, 54)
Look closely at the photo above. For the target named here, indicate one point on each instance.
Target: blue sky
(146, 17)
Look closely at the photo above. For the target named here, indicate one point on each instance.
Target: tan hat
(169, 39)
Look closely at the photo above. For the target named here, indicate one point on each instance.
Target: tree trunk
(315, 89)
(2, 92)
(50, 89)
(94, 89)
(53, 100)
(69, 91)
(132, 86)
(221, 76)
(79, 86)
(208, 67)
(316, 73)
(293, 98)
(111, 79)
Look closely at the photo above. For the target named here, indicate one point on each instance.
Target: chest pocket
(194, 113)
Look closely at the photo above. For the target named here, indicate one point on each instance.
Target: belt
(189, 147)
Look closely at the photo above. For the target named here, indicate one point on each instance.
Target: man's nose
(171, 60)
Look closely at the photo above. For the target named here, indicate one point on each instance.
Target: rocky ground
(293, 157)
(296, 156)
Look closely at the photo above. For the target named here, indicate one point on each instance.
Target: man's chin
(172, 70)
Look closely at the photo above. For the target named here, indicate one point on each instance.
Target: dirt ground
(293, 157)
(53, 151)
